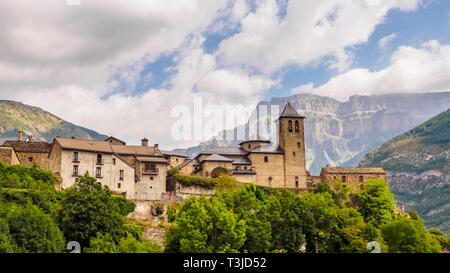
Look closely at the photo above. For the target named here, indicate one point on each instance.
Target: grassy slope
(42, 125)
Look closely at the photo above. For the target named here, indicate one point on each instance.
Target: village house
(352, 177)
(27, 152)
(139, 172)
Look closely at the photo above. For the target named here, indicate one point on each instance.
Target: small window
(177, 159)
(99, 159)
(344, 178)
(290, 126)
(118, 185)
(293, 153)
(266, 159)
(245, 168)
(30, 159)
(297, 130)
(121, 174)
(296, 181)
(249, 146)
(75, 170)
(335, 177)
(98, 172)
(151, 177)
(361, 178)
(299, 145)
(76, 156)
(114, 161)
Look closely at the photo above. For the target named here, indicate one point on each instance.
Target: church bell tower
(291, 139)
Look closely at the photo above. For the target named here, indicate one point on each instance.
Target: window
(335, 177)
(249, 146)
(299, 145)
(266, 159)
(99, 159)
(177, 159)
(30, 159)
(98, 172)
(344, 178)
(245, 168)
(293, 153)
(296, 181)
(361, 178)
(76, 157)
(118, 185)
(151, 177)
(114, 161)
(270, 180)
(150, 167)
(121, 173)
(75, 170)
(297, 128)
(290, 126)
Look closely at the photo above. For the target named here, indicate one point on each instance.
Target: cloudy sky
(120, 67)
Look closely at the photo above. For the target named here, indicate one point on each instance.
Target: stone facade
(352, 177)
(31, 152)
(139, 172)
(8, 156)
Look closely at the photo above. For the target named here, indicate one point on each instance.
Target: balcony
(99, 162)
(150, 171)
(98, 176)
(75, 175)
(76, 160)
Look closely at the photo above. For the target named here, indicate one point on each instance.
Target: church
(259, 161)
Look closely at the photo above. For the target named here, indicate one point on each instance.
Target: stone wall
(271, 173)
(29, 158)
(8, 156)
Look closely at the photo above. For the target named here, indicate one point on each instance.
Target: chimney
(19, 135)
(156, 147)
(144, 142)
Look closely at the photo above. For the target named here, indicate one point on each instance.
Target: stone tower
(291, 139)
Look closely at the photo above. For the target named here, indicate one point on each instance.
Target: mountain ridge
(35, 121)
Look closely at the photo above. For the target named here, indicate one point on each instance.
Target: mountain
(341, 133)
(418, 168)
(40, 124)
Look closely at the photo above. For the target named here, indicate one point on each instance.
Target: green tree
(102, 243)
(249, 204)
(205, 226)
(87, 208)
(286, 213)
(34, 231)
(375, 202)
(405, 235)
(130, 244)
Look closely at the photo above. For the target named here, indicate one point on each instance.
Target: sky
(121, 67)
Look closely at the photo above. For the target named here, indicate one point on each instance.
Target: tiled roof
(173, 153)
(225, 151)
(29, 146)
(239, 160)
(152, 159)
(268, 149)
(105, 147)
(345, 170)
(217, 158)
(290, 112)
(135, 150)
(84, 145)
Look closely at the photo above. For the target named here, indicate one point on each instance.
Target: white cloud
(424, 69)
(386, 39)
(306, 88)
(309, 31)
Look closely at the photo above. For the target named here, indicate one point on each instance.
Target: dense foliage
(257, 219)
(36, 218)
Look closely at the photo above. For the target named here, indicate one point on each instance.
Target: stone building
(259, 161)
(30, 152)
(137, 171)
(175, 159)
(8, 156)
(352, 177)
